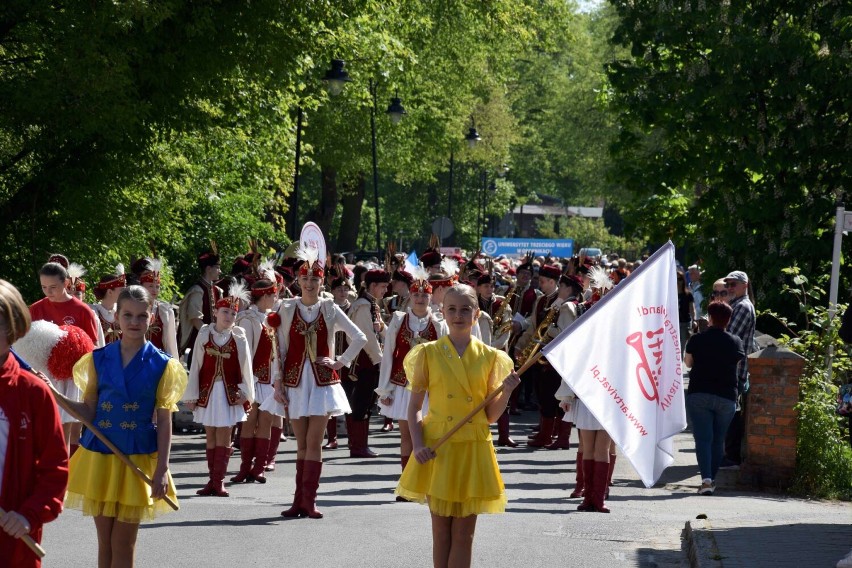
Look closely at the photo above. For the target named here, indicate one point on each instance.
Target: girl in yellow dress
(123, 384)
(461, 479)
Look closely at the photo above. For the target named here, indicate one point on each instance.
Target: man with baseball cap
(742, 325)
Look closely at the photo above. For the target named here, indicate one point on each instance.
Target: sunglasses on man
(719, 294)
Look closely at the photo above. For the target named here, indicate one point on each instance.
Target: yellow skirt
(464, 479)
(102, 485)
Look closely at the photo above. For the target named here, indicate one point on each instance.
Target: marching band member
(309, 387)
(256, 435)
(463, 481)
(61, 308)
(77, 287)
(199, 303)
(545, 379)
(497, 329)
(398, 302)
(106, 292)
(364, 378)
(162, 332)
(521, 297)
(221, 385)
(407, 329)
(128, 385)
(340, 289)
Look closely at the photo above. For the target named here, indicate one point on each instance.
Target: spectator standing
(694, 273)
(711, 401)
(685, 309)
(742, 325)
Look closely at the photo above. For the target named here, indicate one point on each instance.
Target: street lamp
(395, 110)
(336, 77)
(472, 136)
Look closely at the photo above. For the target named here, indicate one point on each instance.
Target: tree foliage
(742, 111)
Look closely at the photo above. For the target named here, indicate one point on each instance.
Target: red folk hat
(113, 281)
(550, 271)
(376, 276)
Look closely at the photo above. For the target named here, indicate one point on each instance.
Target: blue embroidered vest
(126, 399)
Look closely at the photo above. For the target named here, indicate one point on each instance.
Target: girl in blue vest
(125, 385)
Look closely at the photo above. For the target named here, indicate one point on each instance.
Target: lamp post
(336, 78)
(294, 215)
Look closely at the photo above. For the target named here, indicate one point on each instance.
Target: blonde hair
(14, 311)
(464, 291)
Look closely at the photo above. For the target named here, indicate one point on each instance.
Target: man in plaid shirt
(742, 325)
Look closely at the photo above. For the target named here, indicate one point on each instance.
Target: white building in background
(521, 222)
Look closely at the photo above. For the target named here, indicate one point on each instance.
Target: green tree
(743, 109)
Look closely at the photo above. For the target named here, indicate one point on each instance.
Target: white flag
(622, 359)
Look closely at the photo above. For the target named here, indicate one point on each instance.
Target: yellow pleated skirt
(102, 485)
(464, 479)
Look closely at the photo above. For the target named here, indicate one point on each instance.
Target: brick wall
(771, 422)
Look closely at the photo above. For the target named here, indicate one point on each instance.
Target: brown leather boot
(274, 442)
(358, 439)
(588, 503)
(296, 509)
(601, 470)
(563, 439)
(503, 438)
(246, 455)
(208, 489)
(220, 469)
(261, 449)
(545, 435)
(331, 433)
(310, 485)
(579, 482)
(609, 475)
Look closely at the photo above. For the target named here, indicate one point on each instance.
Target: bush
(823, 455)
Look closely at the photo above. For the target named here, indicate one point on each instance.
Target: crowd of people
(269, 349)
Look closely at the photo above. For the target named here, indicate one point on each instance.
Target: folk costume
(464, 479)
(397, 302)
(364, 377)
(33, 458)
(545, 379)
(198, 303)
(100, 484)
(220, 375)
(162, 330)
(307, 333)
(106, 316)
(262, 344)
(495, 323)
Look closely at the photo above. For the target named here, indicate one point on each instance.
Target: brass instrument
(541, 338)
(502, 323)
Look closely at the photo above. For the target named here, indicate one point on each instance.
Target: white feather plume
(419, 273)
(36, 345)
(119, 269)
(450, 266)
(307, 253)
(240, 290)
(76, 271)
(599, 278)
(155, 265)
(266, 269)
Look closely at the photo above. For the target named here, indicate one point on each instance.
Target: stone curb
(701, 548)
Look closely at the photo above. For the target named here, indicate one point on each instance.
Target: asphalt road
(364, 526)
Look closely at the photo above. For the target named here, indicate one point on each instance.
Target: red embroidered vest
(220, 363)
(527, 300)
(111, 330)
(155, 329)
(405, 340)
(262, 361)
(297, 352)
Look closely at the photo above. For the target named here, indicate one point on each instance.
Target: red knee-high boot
(588, 503)
(274, 442)
(220, 468)
(601, 472)
(310, 485)
(536, 429)
(545, 435)
(261, 450)
(208, 489)
(609, 475)
(296, 509)
(563, 438)
(331, 433)
(579, 482)
(349, 430)
(503, 438)
(247, 452)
